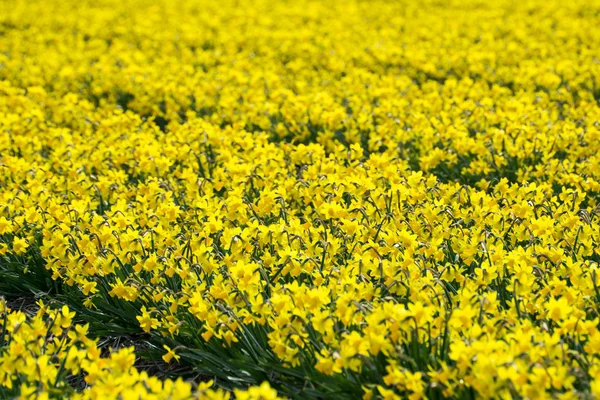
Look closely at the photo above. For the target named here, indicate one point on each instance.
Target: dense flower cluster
(333, 199)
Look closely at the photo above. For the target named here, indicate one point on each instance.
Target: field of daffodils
(350, 199)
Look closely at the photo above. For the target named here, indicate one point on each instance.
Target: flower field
(299, 199)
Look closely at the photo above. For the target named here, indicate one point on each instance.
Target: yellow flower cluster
(45, 356)
(333, 199)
